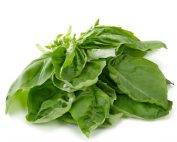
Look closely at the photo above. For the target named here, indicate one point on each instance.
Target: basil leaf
(36, 73)
(140, 79)
(46, 103)
(88, 77)
(74, 63)
(90, 109)
(105, 37)
(140, 110)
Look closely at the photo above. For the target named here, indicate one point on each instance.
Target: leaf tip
(97, 22)
(164, 45)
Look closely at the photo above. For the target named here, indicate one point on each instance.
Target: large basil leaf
(46, 103)
(140, 79)
(141, 110)
(36, 73)
(90, 109)
(105, 37)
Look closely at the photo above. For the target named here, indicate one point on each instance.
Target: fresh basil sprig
(92, 81)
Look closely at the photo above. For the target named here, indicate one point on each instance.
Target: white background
(24, 23)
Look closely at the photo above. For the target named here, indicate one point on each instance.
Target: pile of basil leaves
(92, 80)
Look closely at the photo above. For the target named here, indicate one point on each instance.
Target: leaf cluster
(92, 81)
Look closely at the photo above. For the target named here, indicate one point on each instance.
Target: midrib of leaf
(45, 64)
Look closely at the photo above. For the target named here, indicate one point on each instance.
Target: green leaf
(36, 73)
(140, 110)
(58, 59)
(99, 37)
(89, 74)
(105, 37)
(46, 103)
(140, 79)
(90, 109)
(74, 63)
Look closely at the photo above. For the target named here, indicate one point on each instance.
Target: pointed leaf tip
(97, 22)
